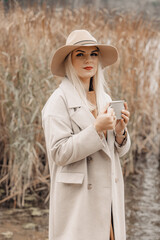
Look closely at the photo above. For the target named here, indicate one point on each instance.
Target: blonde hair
(99, 83)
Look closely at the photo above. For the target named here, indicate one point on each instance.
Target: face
(85, 62)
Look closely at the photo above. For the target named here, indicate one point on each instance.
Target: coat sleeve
(63, 146)
(122, 150)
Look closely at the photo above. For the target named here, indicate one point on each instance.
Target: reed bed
(27, 39)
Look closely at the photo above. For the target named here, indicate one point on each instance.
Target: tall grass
(27, 39)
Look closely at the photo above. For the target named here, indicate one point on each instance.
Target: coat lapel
(81, 116)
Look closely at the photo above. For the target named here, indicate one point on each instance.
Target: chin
(87, 76)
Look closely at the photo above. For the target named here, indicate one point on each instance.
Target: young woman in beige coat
(84, 141)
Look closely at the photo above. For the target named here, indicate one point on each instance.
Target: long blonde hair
(99, 83)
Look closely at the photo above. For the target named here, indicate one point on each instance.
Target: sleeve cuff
(123, 141)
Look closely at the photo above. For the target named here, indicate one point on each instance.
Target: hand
(122, 123)
(105, 120)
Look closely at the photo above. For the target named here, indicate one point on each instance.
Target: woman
(84, 142)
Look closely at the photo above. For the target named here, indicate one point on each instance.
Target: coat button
(89, 158)
(116, 180)
(89, 186)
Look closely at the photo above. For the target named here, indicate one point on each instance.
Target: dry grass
(27, 39)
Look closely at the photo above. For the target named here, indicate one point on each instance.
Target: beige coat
(86, 176)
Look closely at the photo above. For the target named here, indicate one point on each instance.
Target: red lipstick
(88, 68)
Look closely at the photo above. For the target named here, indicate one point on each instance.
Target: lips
(88, 68)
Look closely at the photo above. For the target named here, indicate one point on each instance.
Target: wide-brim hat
(76, 39)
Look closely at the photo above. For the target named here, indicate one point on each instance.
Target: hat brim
(108, 56)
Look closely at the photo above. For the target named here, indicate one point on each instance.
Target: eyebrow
(80, 51)
(96, 50)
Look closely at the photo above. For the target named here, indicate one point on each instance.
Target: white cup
(118, 106)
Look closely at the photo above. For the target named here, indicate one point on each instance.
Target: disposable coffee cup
(118, 106)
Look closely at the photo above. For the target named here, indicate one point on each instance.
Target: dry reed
(27, 39)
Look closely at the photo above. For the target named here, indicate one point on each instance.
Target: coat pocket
(74, 178)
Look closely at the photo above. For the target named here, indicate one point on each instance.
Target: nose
(88, 57)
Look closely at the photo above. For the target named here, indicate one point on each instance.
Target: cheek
(75, 63)
(95, 61)
(96, 64)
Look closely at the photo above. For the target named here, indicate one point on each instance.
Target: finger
(114, 119)
(122, 123)
(114, 116)
(125, 112)
(125, 118)
(126, 105)
(118, 120)
(111, 111)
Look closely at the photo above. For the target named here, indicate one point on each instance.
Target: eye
(94, 54)
(79, 55)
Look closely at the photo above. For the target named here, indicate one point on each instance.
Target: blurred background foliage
(151, 7)
(29, 33)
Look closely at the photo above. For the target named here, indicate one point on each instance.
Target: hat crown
(78, 36)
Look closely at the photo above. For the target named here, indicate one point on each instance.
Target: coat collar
(74, 101)
(72, 97)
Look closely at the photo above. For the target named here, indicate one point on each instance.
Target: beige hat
(76, 39)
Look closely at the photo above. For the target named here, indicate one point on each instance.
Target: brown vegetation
(27, 39)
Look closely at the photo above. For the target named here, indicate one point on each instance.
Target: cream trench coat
(85, 171)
